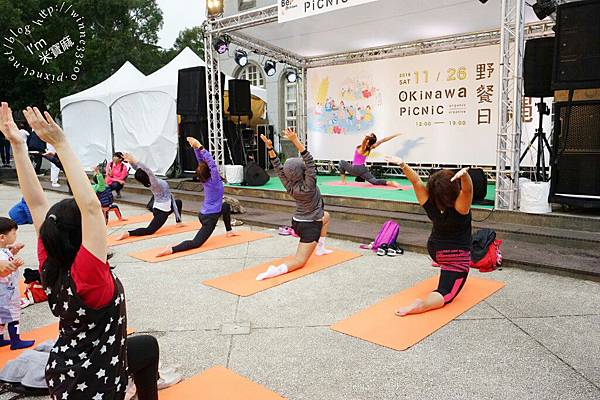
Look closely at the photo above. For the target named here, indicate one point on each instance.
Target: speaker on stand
(240, 106)
(193, 112)
(537, 76)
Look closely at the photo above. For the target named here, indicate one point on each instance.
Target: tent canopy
(128, 76)
(380, 23)
(86, 115)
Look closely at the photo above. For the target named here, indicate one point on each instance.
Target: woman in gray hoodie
(310, 221)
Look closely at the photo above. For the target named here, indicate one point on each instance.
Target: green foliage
(116, 31)
(192, 38)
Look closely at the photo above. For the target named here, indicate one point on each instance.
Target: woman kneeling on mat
(93, 356)
(164, 203)
(212, 206)
(448, 205)
(358, 167)
(310, 222)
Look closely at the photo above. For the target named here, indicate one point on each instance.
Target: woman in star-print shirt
(91, 357)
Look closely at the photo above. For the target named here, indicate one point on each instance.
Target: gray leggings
(347, 168)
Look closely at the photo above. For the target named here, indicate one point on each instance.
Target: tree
(192, 38)
(116, 31)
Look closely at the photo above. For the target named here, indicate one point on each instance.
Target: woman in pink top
(116, 173)
(358, 167)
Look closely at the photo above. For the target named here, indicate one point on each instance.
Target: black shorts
(309, 232)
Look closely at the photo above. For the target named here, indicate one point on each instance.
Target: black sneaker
(394, 250)
(382, 250)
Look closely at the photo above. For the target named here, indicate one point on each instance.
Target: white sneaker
(168, 378)
(55, 184)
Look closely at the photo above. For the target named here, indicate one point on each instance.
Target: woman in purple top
(212, 206)
(358, 167)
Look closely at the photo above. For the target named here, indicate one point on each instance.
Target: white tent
(145, 119)
(86, 115)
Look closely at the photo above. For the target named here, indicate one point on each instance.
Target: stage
(328, 185)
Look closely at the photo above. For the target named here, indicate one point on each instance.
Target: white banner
(444, 104)
(290, 10)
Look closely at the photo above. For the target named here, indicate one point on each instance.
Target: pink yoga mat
(367, 185)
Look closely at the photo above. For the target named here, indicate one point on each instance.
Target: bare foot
(179, 225)
(123, 236)
(395, 184)
(231, 234)
(343, 182)
(123, 219)
(409, 309)
(165, 252)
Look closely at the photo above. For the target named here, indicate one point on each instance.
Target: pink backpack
(388, 234)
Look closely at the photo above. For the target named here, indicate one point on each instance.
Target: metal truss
(512, 44)
(467, 40)
(262, 48)
(214, 100)
(244, 20)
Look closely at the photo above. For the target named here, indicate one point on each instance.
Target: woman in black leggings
(448, 205)
(91, 354)
(212, 206)
(163, 202)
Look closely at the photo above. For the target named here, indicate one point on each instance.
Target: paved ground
(538, 338)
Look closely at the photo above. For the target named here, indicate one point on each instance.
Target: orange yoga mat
(218, 383)
(40, 335)
(378, 324)
(130, 220)
(164, 231)
(213, 243)
(244, 283)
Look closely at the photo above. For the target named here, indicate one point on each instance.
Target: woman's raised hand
(394, 160)
(8, 126)
(44, 125)
(267, 141)
(195, 143)
(290, 135)
(459, 174)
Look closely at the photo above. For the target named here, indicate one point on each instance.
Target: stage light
(544, 8)
(221, 45)
(214, 8)
(483, 1)
(241, 58)
(270, 67)
(291, 75)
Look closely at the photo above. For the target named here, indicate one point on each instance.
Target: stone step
(539, 256)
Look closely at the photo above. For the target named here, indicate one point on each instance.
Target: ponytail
(61, 236)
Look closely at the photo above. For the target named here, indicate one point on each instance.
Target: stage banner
(445, 105)
(290, 10)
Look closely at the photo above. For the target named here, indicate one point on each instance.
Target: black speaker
(254, 175)
(576, 154)
(191, 92)
(191, 126)
(239, 97)
(537, 67)
(577, 51)
(263, 153)
(479, 184)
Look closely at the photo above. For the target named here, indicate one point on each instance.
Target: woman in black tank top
(448, 205)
